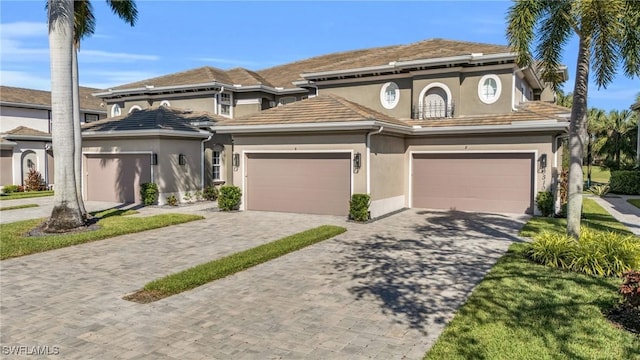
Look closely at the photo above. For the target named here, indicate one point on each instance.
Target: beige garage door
(116, 177)
(473, 182)
(301, 183)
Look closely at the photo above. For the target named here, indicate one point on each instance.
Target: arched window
(29, 162)
(489, 89)
(165, 103)
(135, 108)
(435, 102)
(115, 110)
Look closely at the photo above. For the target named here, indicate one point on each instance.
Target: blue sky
(172, 36)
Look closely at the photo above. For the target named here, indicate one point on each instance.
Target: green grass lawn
(25, 195)
(13, 241)
(25, 206)
(634, 202)
(522, 310)
(219, 268)
(598, 174)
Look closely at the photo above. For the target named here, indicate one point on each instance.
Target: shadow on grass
(424, 266)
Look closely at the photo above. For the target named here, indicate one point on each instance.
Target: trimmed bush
(625, 182)
(34, 181)
(172, 200)
(149, 193)
(544, 199)
(595, 253)
(630, 288)
(8, 189)
(210, 193)
(359, 207)
(229, 198)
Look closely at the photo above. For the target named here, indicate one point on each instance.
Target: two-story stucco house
(435, 124)
(25, 131)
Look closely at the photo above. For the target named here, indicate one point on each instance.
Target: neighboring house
(25, 130)
(435, 124)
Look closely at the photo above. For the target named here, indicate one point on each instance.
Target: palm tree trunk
(66, 212)
(77, 134)
(577, 135)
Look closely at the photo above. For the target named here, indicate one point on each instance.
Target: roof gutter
(487, 129)
(215, 84)
(45, 107)
(300, 127)
(145, 133)
(368, 144)
(28, 137)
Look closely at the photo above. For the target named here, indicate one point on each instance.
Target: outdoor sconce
(182, 159)
(542, 162)
(236, 160)
(357, 160)
(154, 159)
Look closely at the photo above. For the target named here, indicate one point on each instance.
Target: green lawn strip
(217, 269)
(595, 217)
(13, 241)
(523, 310)
(634, 202)
(25, 195)
(16, 207)
(598, 174)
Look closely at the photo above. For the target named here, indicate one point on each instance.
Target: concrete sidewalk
(620, 209)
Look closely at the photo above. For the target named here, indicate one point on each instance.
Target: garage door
(301, 183)
(473, 182)
(116, 177)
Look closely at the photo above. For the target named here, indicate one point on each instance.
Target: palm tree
(564, 100)
(66, 211)
(615, 134)
(608, 34)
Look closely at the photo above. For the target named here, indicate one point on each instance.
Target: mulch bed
(145, 296)
(625, 317)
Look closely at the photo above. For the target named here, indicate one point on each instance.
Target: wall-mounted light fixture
(154, 159)
(182, 159)
(542, 162)
(236, 160)
(357, 160)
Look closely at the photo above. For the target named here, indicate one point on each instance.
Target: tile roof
(24, 131)
(43, 98)
(246, 77)
(205, 74)
(323, 108)
(161, 118)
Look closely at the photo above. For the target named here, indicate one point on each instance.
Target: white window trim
(219, 165)
(498, 88)
(383, 97)
(165, 103)
(115, 110)
(431, 86)
(134, 108)
(220, 103)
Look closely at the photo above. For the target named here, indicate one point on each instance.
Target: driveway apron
(383, 290)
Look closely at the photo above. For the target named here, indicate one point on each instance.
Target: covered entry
(488, 182)
(312, 183)
(116, 177)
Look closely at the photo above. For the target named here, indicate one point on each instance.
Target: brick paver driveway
(381, 290)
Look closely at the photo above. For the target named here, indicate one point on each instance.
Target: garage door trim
(84, 174)
(243, 165)
(458, 152)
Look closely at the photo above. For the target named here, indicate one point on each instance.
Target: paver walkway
(45, 204)
(383, 290)
(621, 210)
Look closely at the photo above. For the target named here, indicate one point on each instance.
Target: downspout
(513, 92)
(203, 160)
(369, 157)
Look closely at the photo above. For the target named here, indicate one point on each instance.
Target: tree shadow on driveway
(422, 265)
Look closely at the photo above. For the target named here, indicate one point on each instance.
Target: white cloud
(106, 56)
(23, 29)
(25, 80)
(233, 62)
(105, 79)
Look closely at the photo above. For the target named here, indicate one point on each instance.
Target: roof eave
(28, 137)
(7, 145)
(45, 107)
(486, 129)
(145, 133)
(323, 126)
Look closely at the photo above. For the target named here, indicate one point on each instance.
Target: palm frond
(125, 9)
(84, 20)
(522, 18)
(602, 20)
(555, 30)
(630, 46)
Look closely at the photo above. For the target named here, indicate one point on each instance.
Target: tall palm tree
(563, 99)
(608, 34)
(66, 211)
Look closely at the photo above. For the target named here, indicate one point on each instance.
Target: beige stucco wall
(12, 117)
(470, 103)
(388, 172)
(368, 94)
(541, 144)
(171, 177)
(218, 142)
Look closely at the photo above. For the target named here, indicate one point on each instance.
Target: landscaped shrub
(544, 199)
(630, 288)
(210, 193)
(149, 193)
(600, 190)
(187, 197)
(34, 181)
(359, 207)
(8, 189)
(595, 253)
(625, 182)
(172, 200)
(229, 198)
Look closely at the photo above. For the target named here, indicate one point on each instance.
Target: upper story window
(224, 104)
(489, 88)
(435, 101)
(165, 103)
(389, 95)
(91, 117)
(115, 110)
(135, 108)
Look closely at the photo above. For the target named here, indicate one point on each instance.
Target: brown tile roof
(43, 98)
(24, 131)
(199, 75)
(284, 75)
(161, 118)
(529, 111)
(246, 77)
(323, 108)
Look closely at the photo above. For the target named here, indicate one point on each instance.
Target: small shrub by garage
(34, 181)
(229, 198)
(359, 207)
(149, 193)
(210, 193)
(8, 189)
(625, 182)
(544, 199)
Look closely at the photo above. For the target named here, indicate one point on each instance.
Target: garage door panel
(305, 183)
(116, 177)
(473, 182)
